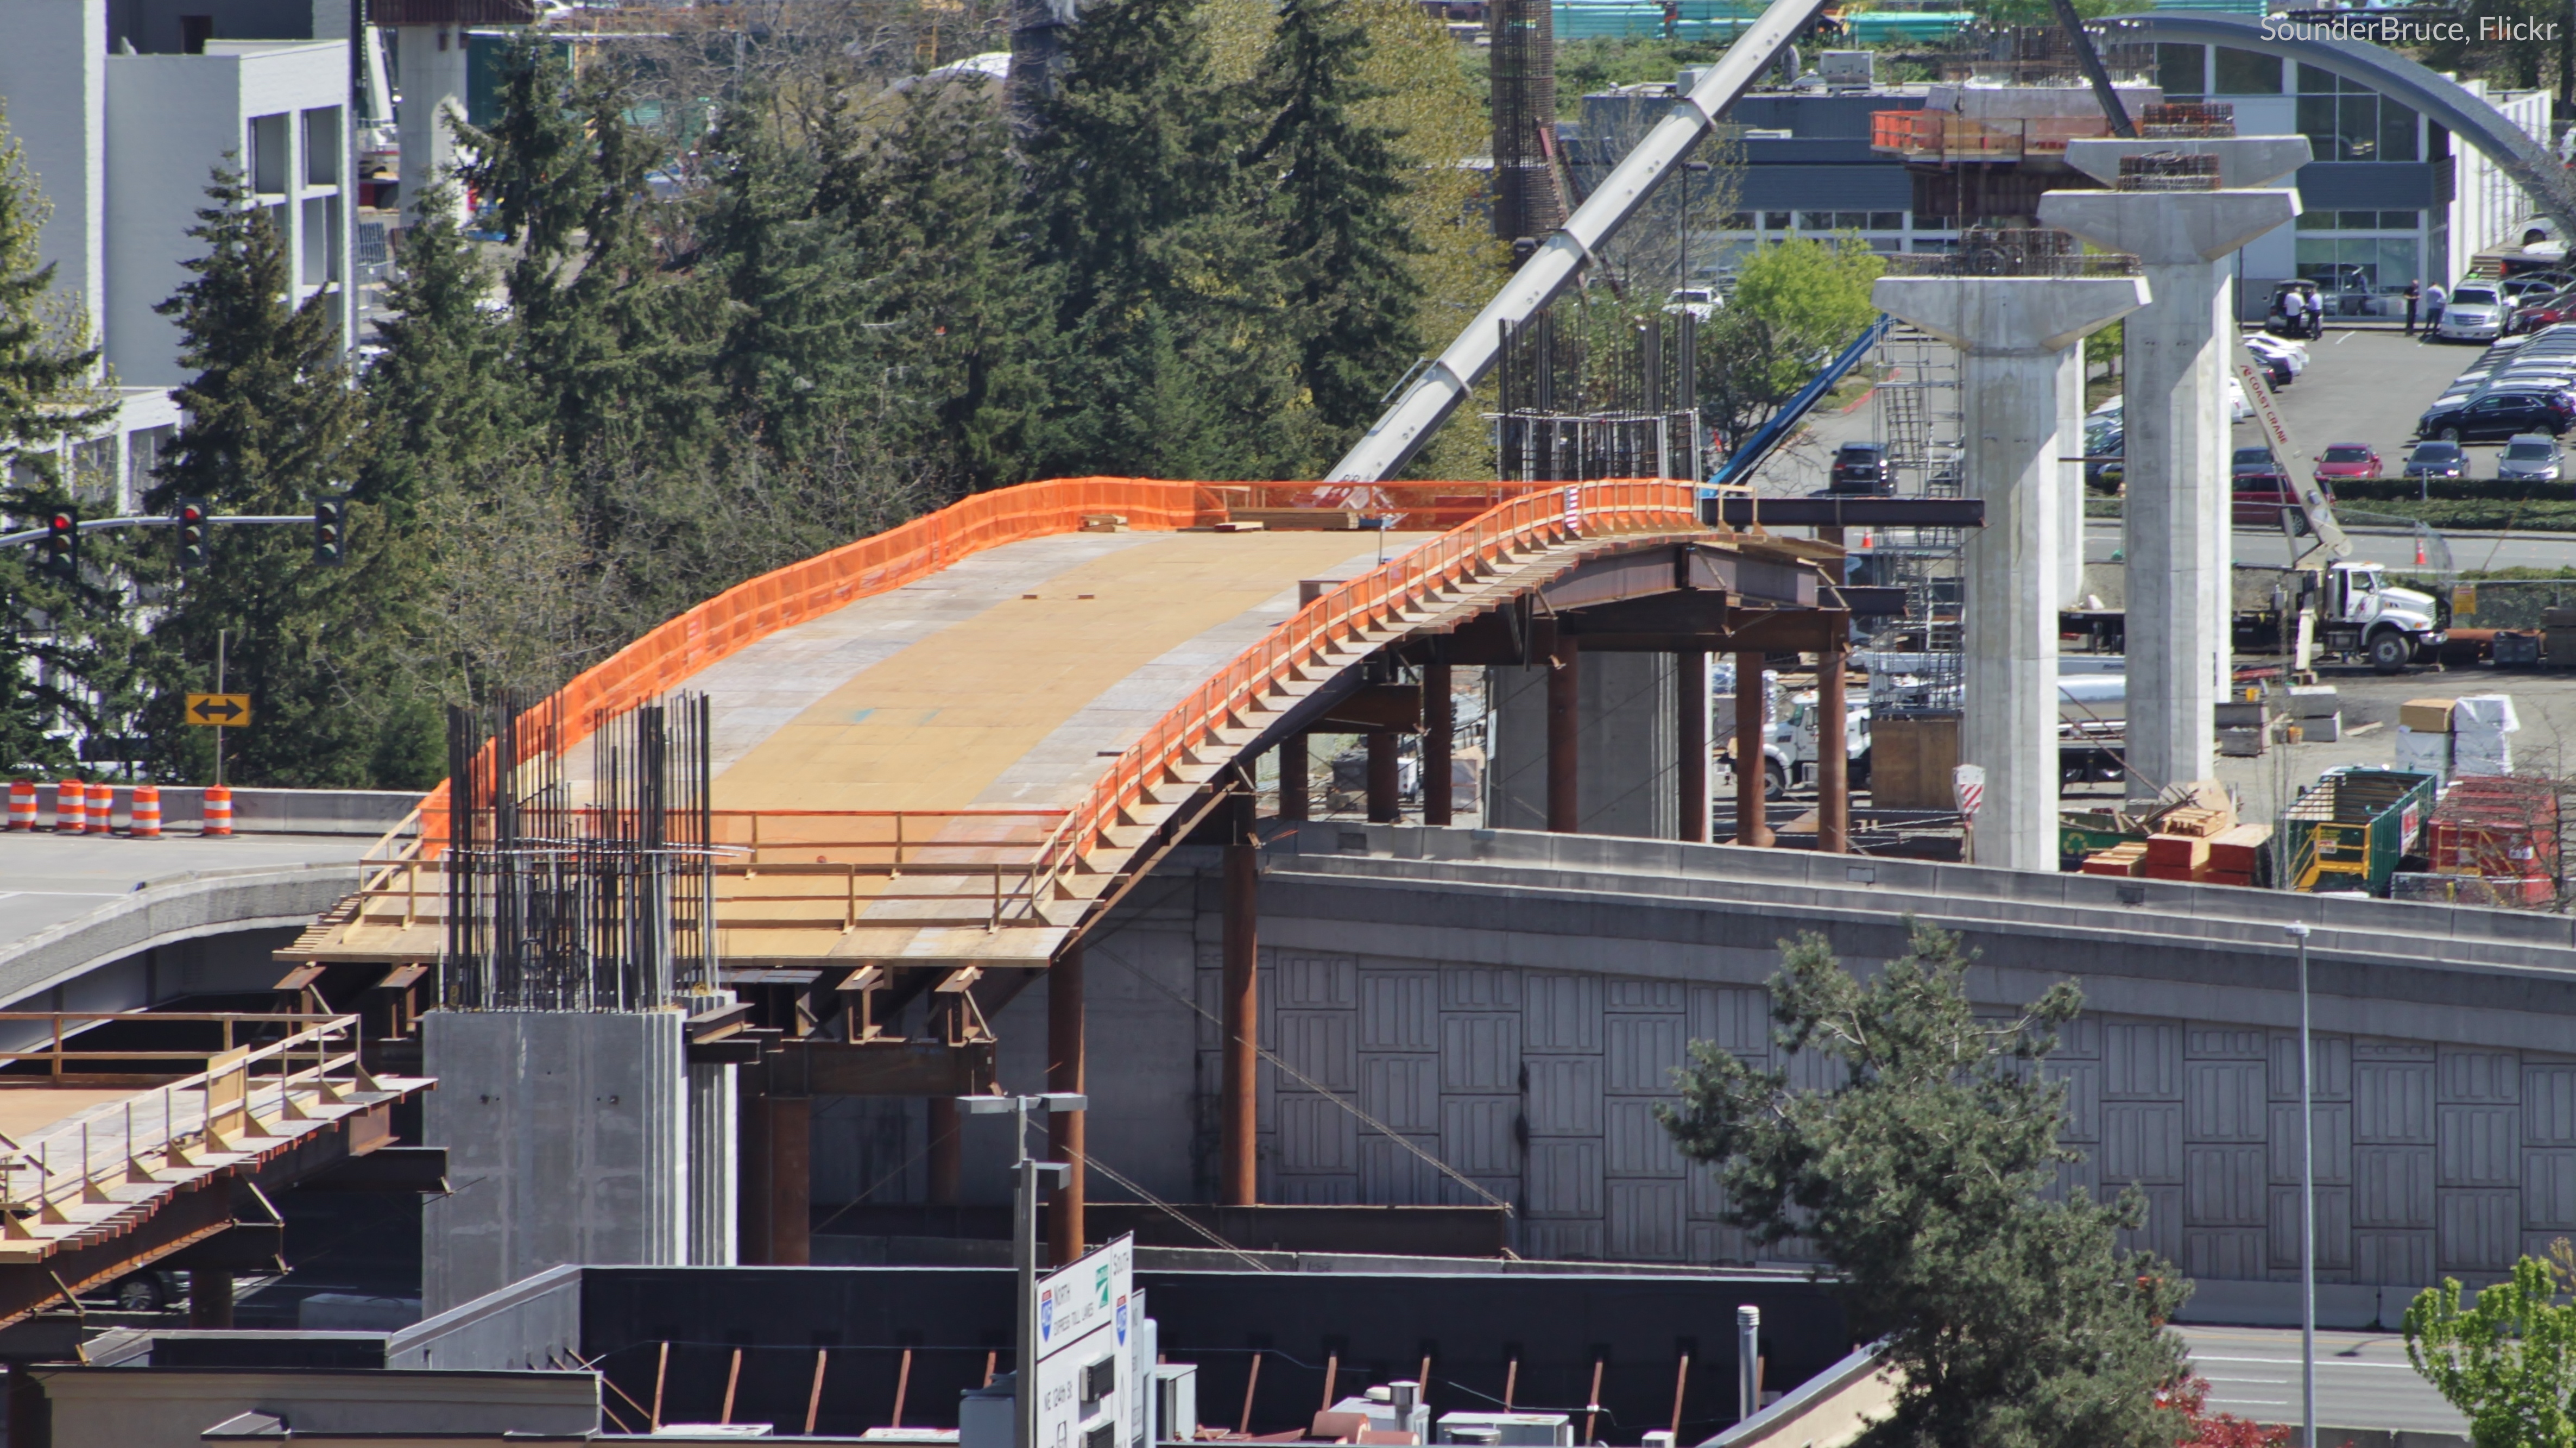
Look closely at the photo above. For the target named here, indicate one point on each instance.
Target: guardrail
(48, 1175)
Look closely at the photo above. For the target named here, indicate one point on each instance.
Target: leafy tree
(2508, 1363)
(271, 422)
(1333, 190)
(1796, 304)
(52, 654)
(2013, 1320)
(1169, 356)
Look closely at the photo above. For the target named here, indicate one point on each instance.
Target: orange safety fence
(1537, 519)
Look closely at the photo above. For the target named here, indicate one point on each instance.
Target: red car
(2348, 460)
(2543, 309)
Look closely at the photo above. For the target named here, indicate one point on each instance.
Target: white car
(2530, 457)
(2292, 354)
(2475, 313)
(2238, 409)
(1700, 303)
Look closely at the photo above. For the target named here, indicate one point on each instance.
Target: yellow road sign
(231, 710)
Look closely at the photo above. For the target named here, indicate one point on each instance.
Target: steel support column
(1751, 825)
(210, 1298)
(1564, 720)
(1242, 1008)
(1385, 781)
(790, 1125)
(1064, 1128)
(1438, 723)
(1833, 759)
(1292, 777)
(1690, 677)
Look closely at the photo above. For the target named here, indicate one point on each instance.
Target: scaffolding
(1920, 422)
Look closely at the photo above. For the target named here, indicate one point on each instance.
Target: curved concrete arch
(2527, 161)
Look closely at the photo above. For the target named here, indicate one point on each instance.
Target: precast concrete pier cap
(2014, 333)
(2170, 228)
(2243, 161)
(1999, 316)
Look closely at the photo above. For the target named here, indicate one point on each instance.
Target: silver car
(2529, 457)
(2475, 313)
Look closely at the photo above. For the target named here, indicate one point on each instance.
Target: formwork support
(1065, 1128)
(1564, 726)
(210, 1298)
(1751, 826)
(776, 1216)
(1242, 1006)
(1833, 758)
(1293, 777)
(1690, 672)
(1438, 724)
(1385, 779)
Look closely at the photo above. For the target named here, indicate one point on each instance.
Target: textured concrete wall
(714, 1189)
(1513, 1005)
(1628, 779)
(567, 1137)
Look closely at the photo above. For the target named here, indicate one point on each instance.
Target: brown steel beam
(1064, 1128)
(1690, 678)
(1564, 721)
(791, 1180)
(1438, 723)
(1751, 828)
(1292, 777)
(1833, 763)
(1385, 781)
(1782, 631)
(751, 1215)
(1242, 1008)
(1375, 706)
(888, 1067)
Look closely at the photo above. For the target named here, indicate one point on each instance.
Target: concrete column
(1293, 771)
(1752, 827)
(1690, 679)
(430, 74)
(1439, 725)
(1564, 663)
(2177, 515)
(1833, 761)
(1065, 1128)
(2013, 333)
(715, 1164)
(1240, 949)
(1385, 779)
(2070, 506)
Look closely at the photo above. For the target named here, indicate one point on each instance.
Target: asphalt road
(2468, 550)
(2363, 1379)
(45, 881)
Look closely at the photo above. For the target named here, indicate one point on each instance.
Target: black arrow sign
(218, 708)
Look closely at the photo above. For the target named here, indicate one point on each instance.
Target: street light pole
(2298, 931)
(1025, 1172)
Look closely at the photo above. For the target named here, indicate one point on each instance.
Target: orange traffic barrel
(68, 809)
(219, 810)
(22, 804)
(147, 812)
(102, 809)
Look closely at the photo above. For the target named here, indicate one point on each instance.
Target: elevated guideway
(946, 747)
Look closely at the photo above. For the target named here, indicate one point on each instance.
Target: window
(322, 146)
(1815, 221)
(2346, 121)
(1886, 221)
(1775, 221)
(320, 264)
(1736, 221)
(2182, 71)
(143, 448)
(268, 154)
(2246, 73)
(93, 470)
(2359, 264)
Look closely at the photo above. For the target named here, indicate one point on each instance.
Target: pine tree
(1170, 356)
(438, 398)
(57, 641)
(1334, 197)
(2011, 1320)
(271, 422)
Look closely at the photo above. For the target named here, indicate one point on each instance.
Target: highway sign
(219, 710)
(1086, 1317)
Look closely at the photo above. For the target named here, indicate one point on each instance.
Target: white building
(125, 107)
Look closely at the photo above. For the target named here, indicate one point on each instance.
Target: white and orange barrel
(147, 812)
(219, 810)
(102, 809)
(22, 804)
(69, 807)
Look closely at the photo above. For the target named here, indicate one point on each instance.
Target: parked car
(2311, 319)
(2530, 457)
(2498, 415)
(1698, 302)
(1862, 467)
(2538, 309)
(2348, 460)
(2293, 354)
(2105, 442)
(2477, 312)
(2261, 489)
(2528, 285)
(2436, 460)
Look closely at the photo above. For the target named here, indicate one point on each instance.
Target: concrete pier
(2177, 513)
(430, 74)
(2013, 333)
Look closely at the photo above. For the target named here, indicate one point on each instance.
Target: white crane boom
(1440, 386)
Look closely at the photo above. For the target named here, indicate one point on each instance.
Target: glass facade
(2345, 122)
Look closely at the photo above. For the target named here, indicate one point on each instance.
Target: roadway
(2363, 1379)
(2395, 550)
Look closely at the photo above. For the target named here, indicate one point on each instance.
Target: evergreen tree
(1334, 197)
(271, 423)
(2011, 1320)
(438, 398)
(60, 649)
(1169, 357)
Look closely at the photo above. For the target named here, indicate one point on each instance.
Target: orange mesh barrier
(1561, 512)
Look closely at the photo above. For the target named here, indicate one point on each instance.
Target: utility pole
(219, 688)
(1026, 1171)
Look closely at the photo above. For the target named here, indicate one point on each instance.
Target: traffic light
(330, 529)
(61, 550)
(196, 534)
